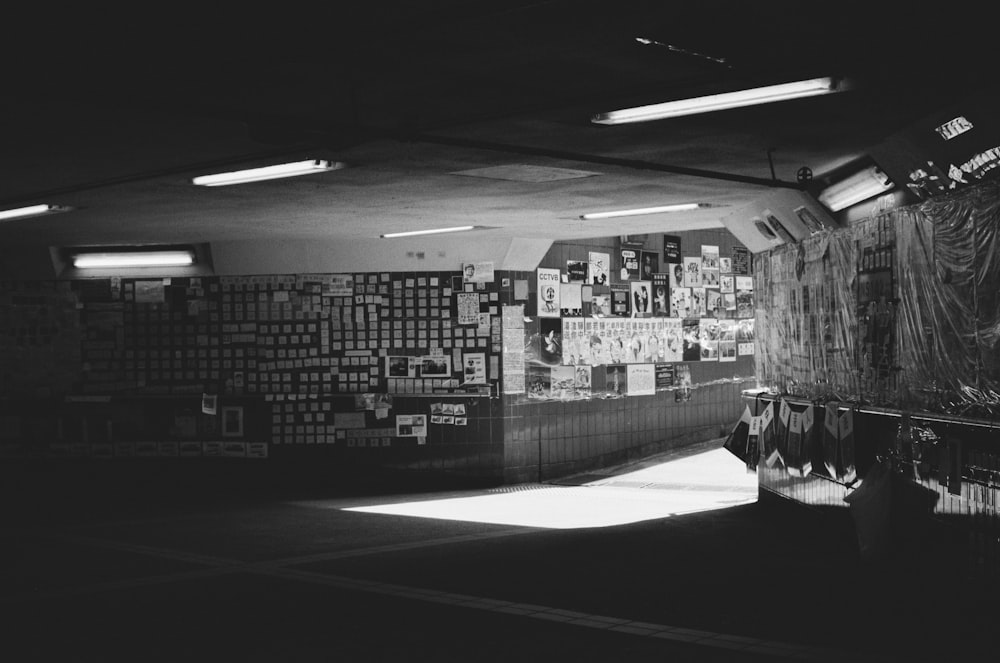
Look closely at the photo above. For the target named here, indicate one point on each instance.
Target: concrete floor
(672, 558)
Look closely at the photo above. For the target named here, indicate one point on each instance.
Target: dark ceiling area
(113, 115)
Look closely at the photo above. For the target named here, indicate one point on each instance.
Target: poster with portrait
(680, 303)
(673, 340)
(675, 271)
(691, 334)
(583, 381)
(744, 297)
(713, 304)
(649, 264)
(641, 379)
(640, 292)
(698, 304)
(575, 345)
(597, 268)
(635, 345)
(692, 272)
(725, 265)
(548, 293)
(477, 272)
(661, 295)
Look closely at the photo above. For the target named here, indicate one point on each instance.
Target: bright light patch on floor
(711, 480)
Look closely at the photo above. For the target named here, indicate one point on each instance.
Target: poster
(474, 368)
(341, 285)
(692, 272)
(649, 264)
(149, 292)
(741, 260)
(620, 299)
(727, 283)
(725, 265)
(691, 333)
(713, 304)
(467, 304)
(550, 341)
(673, 340)
(630, 264)
(671, 249)
(575, 343)
(661, 295)
(642, 304)
(582, 381)
(615, 380)
(698, 307)
(576, 271)
(641, 379)
(411, 425)
(745, 336)
(664, 376)
(548, 292)
(539, 381)
(600, 305)
(744, 297)
(513, 349)
(435, 366)
(708, 334)
(477, 272)
(597, 268)
(676, 273)
(563, 382)
(682, 382)
(727, 340)
(400, 366)
(680, 303)
(571, 298)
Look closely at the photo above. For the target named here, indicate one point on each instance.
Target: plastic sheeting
(900, 310)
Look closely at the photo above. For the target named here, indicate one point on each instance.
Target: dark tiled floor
(273, 577)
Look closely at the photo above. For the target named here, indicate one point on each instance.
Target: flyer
(548, 292)
(597, 268)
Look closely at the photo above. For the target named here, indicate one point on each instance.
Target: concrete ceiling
(113, 116)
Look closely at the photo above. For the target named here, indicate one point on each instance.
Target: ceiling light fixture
(716, 102)
(433, 231)
(858, 187)
(127, 259)
(31, 210)
(278, 171)
(682, 207)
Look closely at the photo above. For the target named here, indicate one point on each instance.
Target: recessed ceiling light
(126, 259)
(275, 172)
(31, 210)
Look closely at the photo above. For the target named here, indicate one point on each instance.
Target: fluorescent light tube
(268, 172)
(432, 231)
(642, 210)
(32, 210)
(133, 259)
(860, 186)
(716, 102)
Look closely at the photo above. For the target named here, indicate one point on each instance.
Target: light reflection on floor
(709, 480)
